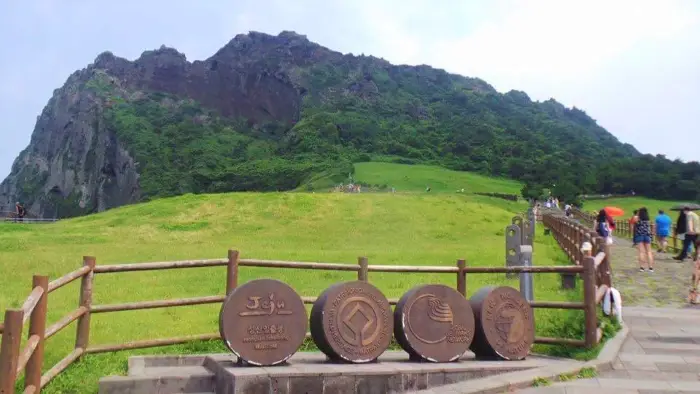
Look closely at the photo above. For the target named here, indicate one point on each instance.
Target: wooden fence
(13, 361)
(597, 272)
(11, 216)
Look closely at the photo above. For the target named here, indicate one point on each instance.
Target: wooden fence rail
(597, 274)
(593, 271)
(14, 361)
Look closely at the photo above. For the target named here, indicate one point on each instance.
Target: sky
(633, 65)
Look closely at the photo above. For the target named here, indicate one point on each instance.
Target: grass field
(629, 204)
(406, 229)
(417, 177)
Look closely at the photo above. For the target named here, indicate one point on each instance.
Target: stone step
(175, 371)
(170, 384)
(308, 373)
(659, 358)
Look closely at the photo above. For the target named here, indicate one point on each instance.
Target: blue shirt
(663, 225)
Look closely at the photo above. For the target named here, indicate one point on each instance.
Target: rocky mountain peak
(164, 56)
(99, 132)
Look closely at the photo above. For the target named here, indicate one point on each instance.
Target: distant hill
(271, 112)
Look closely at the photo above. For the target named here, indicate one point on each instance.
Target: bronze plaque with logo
(352, 322)
(434, 323)
(263, 322)
(505, 324)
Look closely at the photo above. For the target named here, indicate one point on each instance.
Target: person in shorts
(663, 230)
(642, 238)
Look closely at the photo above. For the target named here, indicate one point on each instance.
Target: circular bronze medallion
(434, 322)
(505, 324)
(352, 322)
(263, 322)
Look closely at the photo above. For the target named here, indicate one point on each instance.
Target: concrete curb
(524, 379)
(608, 355)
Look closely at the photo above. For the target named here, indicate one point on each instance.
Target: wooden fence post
(513, 242)
(461, 277)
(37, 326)
(9, 350)
(606, 267)
(526, 286)
(594, 239)
(590, 307)
(362, 273)
(578, 240)
(232, 271)
(82, 335)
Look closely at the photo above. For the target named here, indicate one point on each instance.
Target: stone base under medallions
(304, 373)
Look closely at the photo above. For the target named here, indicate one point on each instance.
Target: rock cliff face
(74, 164)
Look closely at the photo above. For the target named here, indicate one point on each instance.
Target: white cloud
(633, 65)
(550, 39)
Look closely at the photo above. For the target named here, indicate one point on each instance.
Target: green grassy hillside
(407, 229)
(415, 178)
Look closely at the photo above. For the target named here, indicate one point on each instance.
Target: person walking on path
(611, 223)
(663, 230)
(602, 224)
(695, 282)
(642, 237)
(691, 229)
(633, 220)
(567, 210)
(679, 231)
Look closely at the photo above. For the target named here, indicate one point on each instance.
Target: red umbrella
(614, 211)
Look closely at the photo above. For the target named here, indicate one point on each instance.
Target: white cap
(586, 247)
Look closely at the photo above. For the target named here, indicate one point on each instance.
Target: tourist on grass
(663, 230)
(642, 237)
(20, 211)
(690, 233)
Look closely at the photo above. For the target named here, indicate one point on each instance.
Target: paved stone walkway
(662, 352)
(666, 287)
(661, 355)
